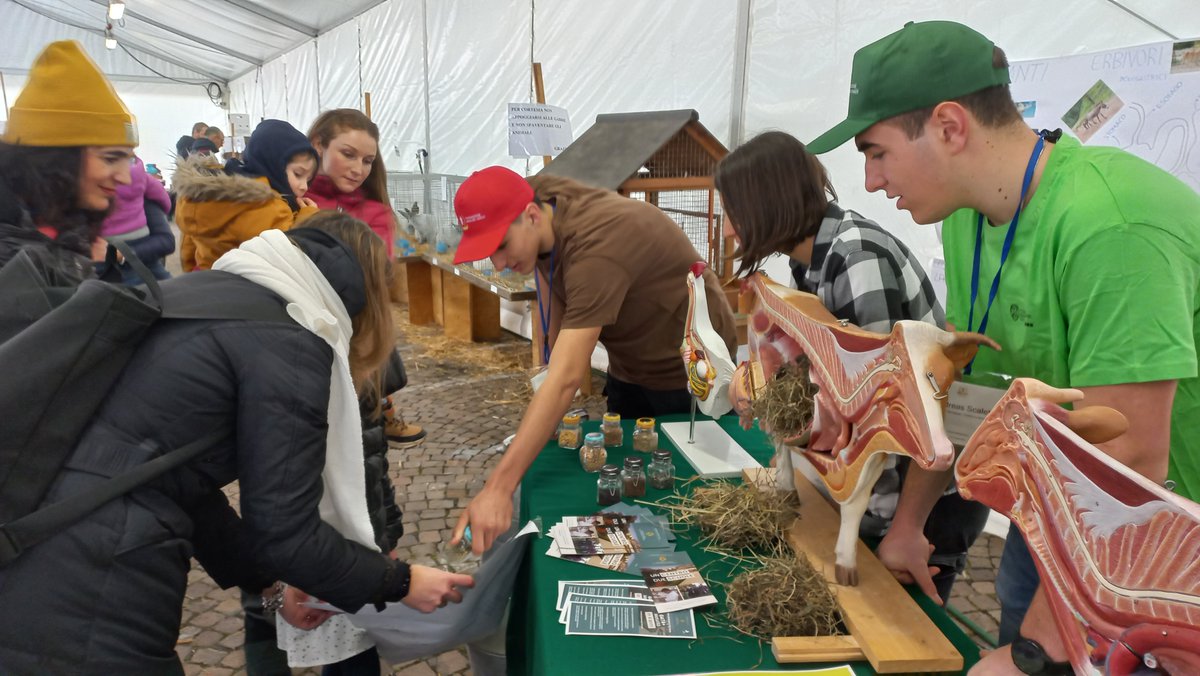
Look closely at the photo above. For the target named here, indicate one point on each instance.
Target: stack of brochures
(632, 539)
(624, 538)
(618, 608)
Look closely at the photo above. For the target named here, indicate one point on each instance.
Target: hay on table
(785, 597)
(736, 516)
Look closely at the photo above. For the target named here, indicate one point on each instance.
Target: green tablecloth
(556, 486)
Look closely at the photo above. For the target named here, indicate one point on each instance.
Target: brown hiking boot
(395, 429)
(403, 433)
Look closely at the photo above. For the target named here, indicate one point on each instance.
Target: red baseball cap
(486, 204)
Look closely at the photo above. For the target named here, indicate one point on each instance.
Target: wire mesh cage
(698, 213)
(680, 157)
(425, 205)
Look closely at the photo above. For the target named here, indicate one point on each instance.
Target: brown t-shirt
(622, 265)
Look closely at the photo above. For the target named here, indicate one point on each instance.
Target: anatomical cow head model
(877, 394)
(705, 354)
(1119, 556)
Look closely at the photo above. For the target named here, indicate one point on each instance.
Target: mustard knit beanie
(67, 101)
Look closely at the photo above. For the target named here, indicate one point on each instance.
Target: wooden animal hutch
(666, 158)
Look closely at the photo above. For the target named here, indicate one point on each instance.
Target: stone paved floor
(468, 398)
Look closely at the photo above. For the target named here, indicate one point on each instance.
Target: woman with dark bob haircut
(777, 198)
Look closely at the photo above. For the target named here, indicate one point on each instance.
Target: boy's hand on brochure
(430, 588)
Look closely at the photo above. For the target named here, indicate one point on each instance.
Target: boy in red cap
(931, 111)
(609, 269)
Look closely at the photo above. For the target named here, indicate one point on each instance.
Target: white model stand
(713, 453)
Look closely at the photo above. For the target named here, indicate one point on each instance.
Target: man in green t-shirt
(1083, 263)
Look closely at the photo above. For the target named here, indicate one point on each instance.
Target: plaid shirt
(866, 276)
(863, 274)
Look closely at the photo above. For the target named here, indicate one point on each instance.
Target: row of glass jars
(645, 436)
(630, 482)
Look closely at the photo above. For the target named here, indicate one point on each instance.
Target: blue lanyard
(1008, 240)
(544, 313)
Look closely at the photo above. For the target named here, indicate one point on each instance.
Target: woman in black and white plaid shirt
(777, 198)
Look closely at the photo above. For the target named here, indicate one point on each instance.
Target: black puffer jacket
(18, 232)
(105, 595)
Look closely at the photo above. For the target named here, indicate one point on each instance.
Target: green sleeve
(1127, 297)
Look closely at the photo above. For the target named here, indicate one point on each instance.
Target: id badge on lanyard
(966, 407)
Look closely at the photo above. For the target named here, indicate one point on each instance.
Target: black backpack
(62, 348)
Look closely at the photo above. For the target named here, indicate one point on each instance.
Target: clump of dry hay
(784, 407)
(736, 516)
(785, 597)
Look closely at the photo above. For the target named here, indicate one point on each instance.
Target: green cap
(918, 66)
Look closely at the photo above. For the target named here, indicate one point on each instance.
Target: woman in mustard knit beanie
(66, 147)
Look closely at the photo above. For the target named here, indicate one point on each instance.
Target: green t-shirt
(1101, 286)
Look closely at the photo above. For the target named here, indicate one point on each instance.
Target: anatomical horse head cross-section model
(876, 394)
(1119, 556)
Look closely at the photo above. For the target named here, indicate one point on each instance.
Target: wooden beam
(656, 184)
(893, 632)
(539, 89)
(798, 649)
(439, 277)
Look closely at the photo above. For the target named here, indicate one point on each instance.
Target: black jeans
(635, 401)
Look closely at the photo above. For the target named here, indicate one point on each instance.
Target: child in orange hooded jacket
(219, 209)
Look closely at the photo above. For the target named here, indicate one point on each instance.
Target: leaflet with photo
(625, 563)
(598, 619)
(596, 534)
(677, 587)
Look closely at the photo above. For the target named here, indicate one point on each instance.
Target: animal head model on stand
(1117, 554)
(705, 355)
(876, 394)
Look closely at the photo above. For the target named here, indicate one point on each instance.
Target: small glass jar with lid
(608, 486)
(592, 454)
(570, 432)
(633, 478)
(611, 427)
(661, 470)
(645, 437)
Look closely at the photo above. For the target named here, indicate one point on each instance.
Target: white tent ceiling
(214, 40)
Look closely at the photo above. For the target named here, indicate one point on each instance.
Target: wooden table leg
(439, 278)
(419, 274)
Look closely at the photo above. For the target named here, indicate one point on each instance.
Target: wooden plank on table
(796, 649)
(893, 632)
(471, 313)
(418, 274)
(439, 276)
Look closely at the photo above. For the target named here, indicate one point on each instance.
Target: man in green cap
(1090, 257)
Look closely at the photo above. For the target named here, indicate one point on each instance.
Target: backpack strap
(31, 529)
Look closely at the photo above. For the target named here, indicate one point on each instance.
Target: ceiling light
(110, 40)
(116, 10)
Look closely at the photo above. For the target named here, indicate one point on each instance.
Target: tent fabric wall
(338, 68)
(478, 63)
(393, 71)
(301, 72)
(637, 56)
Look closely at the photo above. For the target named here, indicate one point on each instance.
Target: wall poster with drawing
(1144, 99)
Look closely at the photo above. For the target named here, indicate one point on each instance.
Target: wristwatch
(1030, 657)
